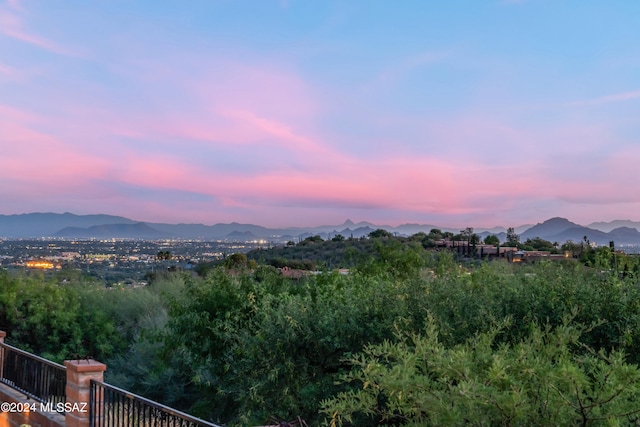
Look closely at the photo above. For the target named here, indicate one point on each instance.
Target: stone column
(79, 375)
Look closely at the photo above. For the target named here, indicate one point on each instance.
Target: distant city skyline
(289, 113)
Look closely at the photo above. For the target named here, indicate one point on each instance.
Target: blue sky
(302, 113)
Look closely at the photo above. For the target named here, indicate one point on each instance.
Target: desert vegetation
(409, 337)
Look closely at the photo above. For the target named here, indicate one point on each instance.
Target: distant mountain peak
(626, 229)
(559, 220)
(612, 225)
(348, 222)
(549, 228)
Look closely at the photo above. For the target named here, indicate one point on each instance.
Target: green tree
(237, 261)
(380, 233)
(311, 240)
(513, 239)
(492, 239)
(538, 244)
(436, 234)
(467, 234)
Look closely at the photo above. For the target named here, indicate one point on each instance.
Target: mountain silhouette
(138, 230)
(108, 226)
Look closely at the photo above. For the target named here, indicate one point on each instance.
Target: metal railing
(38, 378)
(111, 406)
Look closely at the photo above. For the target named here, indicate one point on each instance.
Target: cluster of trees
(539, 380)
(408, 337)
(314, 253)
(68, 316)
(603, 257)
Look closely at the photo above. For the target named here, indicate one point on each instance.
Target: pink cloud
(9, 113)
(225, 103)
(157, 172)
(38, 161)
(11, 25)
(265, 89)
(282, 133)
(419, 185)
(37, 158)
(227, 112)
(224, 128)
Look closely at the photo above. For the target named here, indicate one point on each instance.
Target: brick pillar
(79, 375)
(3, 334)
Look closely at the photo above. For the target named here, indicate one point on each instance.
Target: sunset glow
(292, 113)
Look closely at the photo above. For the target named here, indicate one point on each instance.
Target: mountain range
(68, 225)
(561, 230)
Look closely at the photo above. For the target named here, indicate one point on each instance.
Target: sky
(303, 113)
